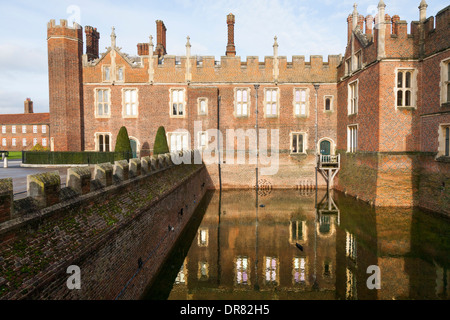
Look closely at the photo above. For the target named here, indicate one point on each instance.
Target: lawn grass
(13, 155)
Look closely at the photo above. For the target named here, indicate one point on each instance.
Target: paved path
(20, 174)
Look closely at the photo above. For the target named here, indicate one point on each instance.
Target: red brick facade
(376, 56)
(20, 132)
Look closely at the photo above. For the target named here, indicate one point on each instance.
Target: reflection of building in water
(251, 254)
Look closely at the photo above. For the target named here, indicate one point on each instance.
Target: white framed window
(24, 142)
(352, 138)
(203, 271)
(4, 142)
(328, 103)
(103, 103)
(353, 97)
(178, 141)
(271, 102)
(298, 143)
(242, 270)
(3, 129)
(301, 102)
(177, 103)
(35, 129)
(130, 102)
(120, 74)
(35, 141)
(24, 129)
(405, 90)
(350, 246)
(44, 142)
(13, 129)
(202, 106)
(203, 237)
(242, 102)
(14, 142)
(271, 270)
(44, 129)
(106, 73)
(203, 140)
(445, 81)
(299, 270)
(103, 142)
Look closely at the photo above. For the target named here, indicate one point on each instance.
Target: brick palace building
(383, 105)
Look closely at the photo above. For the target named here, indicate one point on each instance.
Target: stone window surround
(352, 148)
(444, 81)
(96, 140)
(171, 103)
(96, 103)
(308, 102)
(249, 99)
(349, 97)
(104, 73)
(413, 88)
(357, 65)
(181, 133)
(277, 102)
(441, 139)
(305, 142)
(199, 101)
(123, 73)
(200, 139)
(124, 111)
(331, 97)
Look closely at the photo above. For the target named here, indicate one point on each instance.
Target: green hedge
(65, 158)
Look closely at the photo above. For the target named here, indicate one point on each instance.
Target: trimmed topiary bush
(161, 146)
(123, 141)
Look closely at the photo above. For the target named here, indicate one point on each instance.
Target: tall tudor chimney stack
(161, 30)
(28, 106)
(231, 49)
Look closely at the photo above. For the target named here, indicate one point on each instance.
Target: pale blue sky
(303, 27)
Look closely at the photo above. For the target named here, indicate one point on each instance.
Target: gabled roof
(25, 118)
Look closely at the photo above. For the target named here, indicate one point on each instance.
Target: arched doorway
(325, 148)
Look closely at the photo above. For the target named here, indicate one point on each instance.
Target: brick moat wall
(293, 172)
(396, 180)
(104, 233)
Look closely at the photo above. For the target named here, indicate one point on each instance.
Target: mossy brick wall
(104, 233)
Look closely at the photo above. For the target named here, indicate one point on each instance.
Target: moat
(243, 246)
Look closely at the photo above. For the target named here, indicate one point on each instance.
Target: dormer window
(358, 57)
(120, 74)
(348, 66)
(106, 73)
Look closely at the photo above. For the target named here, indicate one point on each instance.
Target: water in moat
(243, 246)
